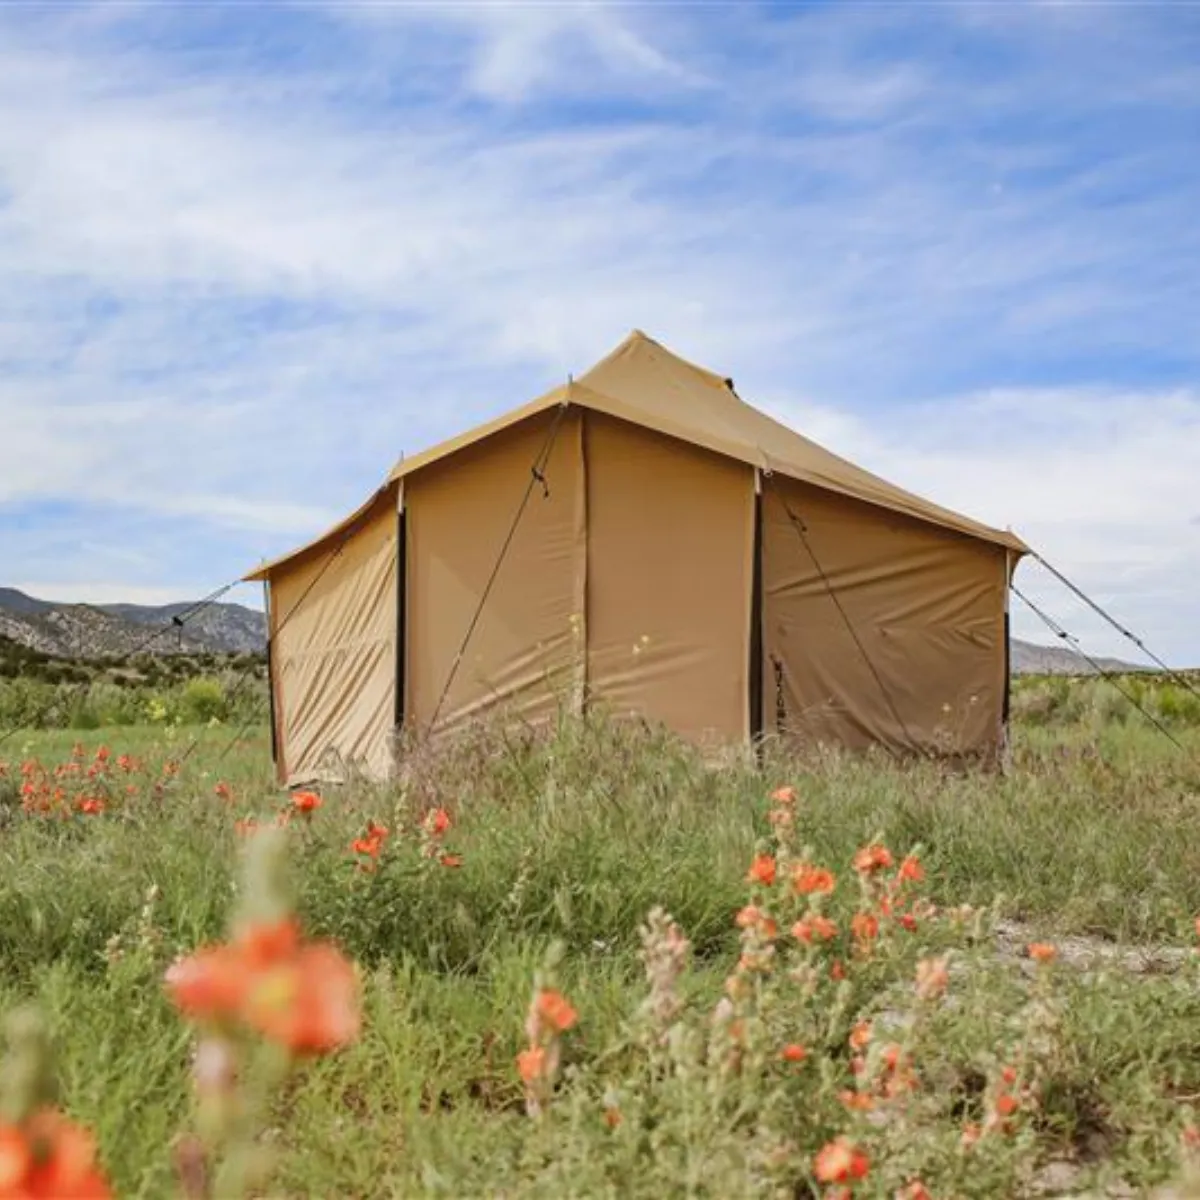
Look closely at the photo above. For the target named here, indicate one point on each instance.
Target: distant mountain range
(104, 630)
(111, 630)
(1028, 658)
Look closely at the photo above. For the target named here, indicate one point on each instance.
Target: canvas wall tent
(643, 539)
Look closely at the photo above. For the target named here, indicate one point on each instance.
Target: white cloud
(238, 285)
(518, 50)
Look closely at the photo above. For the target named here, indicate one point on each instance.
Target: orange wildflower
(15, 1159)
(860, 1035)
(209, 984)
(872, 858)
(301, 995)
(753, 917)
(837, 971)
(864, 926)
(49, 1158)
(914, 1191)
(223, 791)
(807, 879)
(784, 795)
(531, 1063)
(1042, 952)
(793, 1052)
(554, 1008)
(306, 802)
(92, 805)
(437, 821)
(762, 870)
(857, 1101)
(911, 869)
(1006, 1104)
(451, 860)
(371, 843)
(814, 928)
(308, 1002)
(840, 1161)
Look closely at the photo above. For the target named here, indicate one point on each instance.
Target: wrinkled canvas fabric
(333, 649)
(628, 582)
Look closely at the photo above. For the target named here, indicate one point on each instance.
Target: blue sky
(251, 253)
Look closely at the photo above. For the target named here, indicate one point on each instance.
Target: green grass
(575, 839)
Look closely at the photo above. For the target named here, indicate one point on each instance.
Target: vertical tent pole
(756, 620)
(271, 675)
(1007, 704)
(401, 680)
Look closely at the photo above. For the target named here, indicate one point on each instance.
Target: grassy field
(716, 1067)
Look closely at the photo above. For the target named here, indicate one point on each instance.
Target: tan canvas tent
(642, 539)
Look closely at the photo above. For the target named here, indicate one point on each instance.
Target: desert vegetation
(585, 964)
(41, 691)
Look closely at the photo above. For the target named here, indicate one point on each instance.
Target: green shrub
(203, 700)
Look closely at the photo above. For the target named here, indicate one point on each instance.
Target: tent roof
(643, 382)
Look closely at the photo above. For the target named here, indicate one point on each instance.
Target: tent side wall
(333, 649)
(927, 605)
(670, 545)
(524, 651)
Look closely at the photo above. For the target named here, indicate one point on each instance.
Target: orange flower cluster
(550, 1016)
(302, 995)
(871, 859)
(1007, 1100)
(306, 803)
(1005, 1103)
(46, 1157)
(762, 870)
(753, 917)
(814, 928)
(885, 895)
(840, 1161)
(808, 880)
(369, 846)
(76, 785)
(1042, 952)
(434, 827)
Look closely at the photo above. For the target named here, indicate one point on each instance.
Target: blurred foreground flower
(43, 1156)
(263, 1000)
(550, 1015)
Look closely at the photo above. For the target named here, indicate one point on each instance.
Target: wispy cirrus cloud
(248, 261)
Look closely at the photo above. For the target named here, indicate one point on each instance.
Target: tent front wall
(628, 577)
(524, 647)
(669, 580)
(333, 649)
(926, 604)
